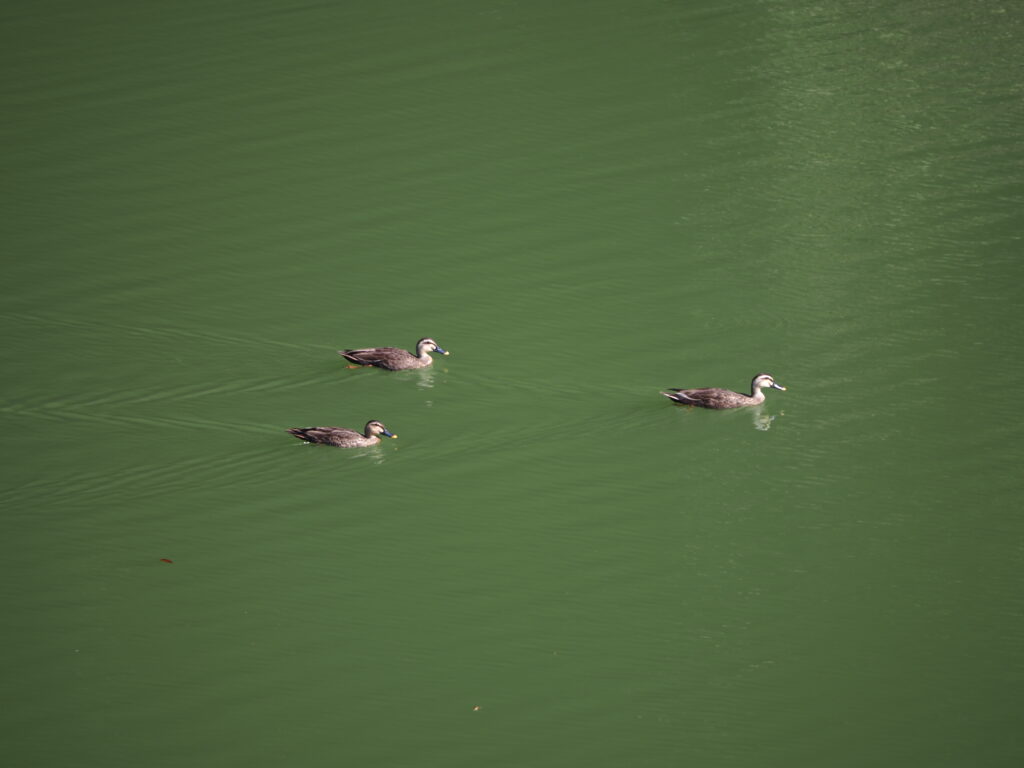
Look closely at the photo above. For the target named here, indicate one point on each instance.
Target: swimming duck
(392, 358)
(341, 437)
(724, 398)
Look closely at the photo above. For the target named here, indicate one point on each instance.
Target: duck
(343, 438)
(392, 358)
(714, 397)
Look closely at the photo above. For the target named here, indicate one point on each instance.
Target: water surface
(552, 565)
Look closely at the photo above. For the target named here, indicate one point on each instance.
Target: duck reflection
(374, 454)
(763, 421)
(424, 377)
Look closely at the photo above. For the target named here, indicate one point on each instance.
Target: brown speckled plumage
(392, 358)
(341, 437)
(714, 397)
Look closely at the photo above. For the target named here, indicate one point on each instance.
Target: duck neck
(757, 395)
(422, 354)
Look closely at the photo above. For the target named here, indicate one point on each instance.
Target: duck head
(374, 428)
(764, 380)
(428, 345)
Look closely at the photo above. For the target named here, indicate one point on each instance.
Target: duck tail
(300, 433)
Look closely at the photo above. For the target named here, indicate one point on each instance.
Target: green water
(552, 566)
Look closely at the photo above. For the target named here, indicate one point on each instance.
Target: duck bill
(779, 386)
(442, 351)
(390, 434)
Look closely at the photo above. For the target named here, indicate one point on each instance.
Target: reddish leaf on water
(166, 560)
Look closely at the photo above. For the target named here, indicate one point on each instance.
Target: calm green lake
(585, 202)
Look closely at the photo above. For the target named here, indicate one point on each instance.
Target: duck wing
(708, 396)
(687, 395)
(384, 357)
(326, 435)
